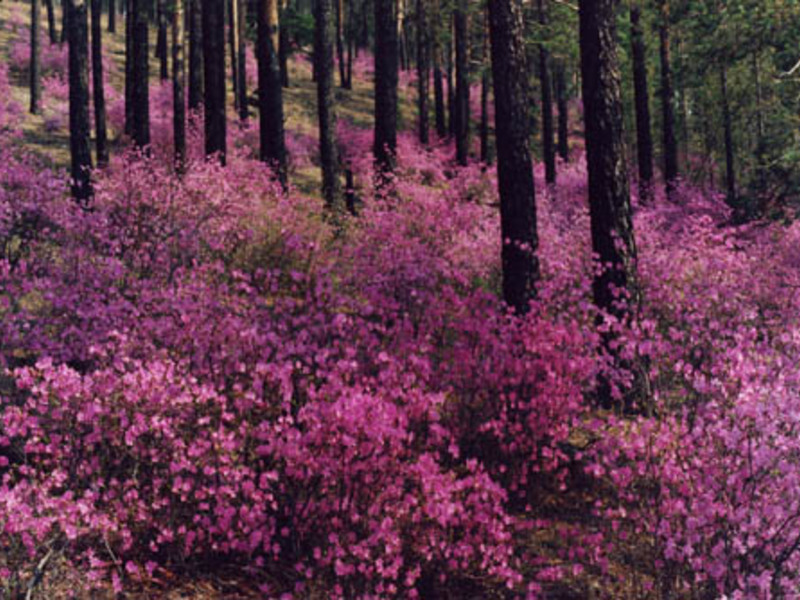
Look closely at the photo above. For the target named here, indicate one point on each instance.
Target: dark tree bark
(451, 90)
(514, 169)
(79, 136)
(563, 111)
(241, 58)
(730, 170)
(35, 71)
(178, 93)
(609, 196)
(462, 83)
(195, 54)
(423, 70)
(270, 92)
(325, 39)
(667, 103)
(232, 13)
(64, 20)
(340, 15)
(214, 77)
(101, 139)
(644, 139)
(438, 87)
(129, 68)
(548, 145)
(385, 88)
(161, 40)
(51, 21)
(141, 75)
(112, 16)
(486, 152)
(283, 47)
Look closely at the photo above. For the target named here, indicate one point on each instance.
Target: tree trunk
(112, 16)
(232, 12)
(79, 135)
(129, 69)
(101, 140)
(35, 74)
(486, 152)
(451, 90)
(325, 39)
(514, 169)
(161, 41)
(385, 88)
(241, 57)
(141, 73)
(64, 20)
(667, 107)
(644, 139)
(563, 111)
(270, 92)
(214, 77)
(51, 21)
(462, 83)
(423, 70)
(548, 145)
(283, 48)
(438, 88)
(609, 197)
(178, 94)
(730, 171)
(340, 9)
(195, 54)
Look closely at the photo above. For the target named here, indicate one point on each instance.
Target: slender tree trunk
(101, 139)
(161, 40)
(141, 75)
(270, 92)
(195, 54)
(283, 47)
(514, 170)
(730, 170)
(232, 13)
(35, 74)
(178, 79)
(548, 145)
(667, 104)
(340, 10)
(644, 139)
(129, 67)
(486, 152)
(385, 88)
(609, 197)
(64, 20)
(423, 71)
(241, 57)
(79, 133)
(451, 91)
(563, 111)
(438, 88)
(350, 51)
(462, 83)
(112, 16)
(51, 21)
(325, 36)
(214, 77)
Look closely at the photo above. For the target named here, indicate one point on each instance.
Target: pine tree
(35, 75)
(101, 141)
(514, 169)
(79, 134)
(644, 139)
(385, 88)
(214, 77)
(325, 39)
(270, 93)
(178, 79)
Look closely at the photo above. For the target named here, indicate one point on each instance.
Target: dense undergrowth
(199, 373)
